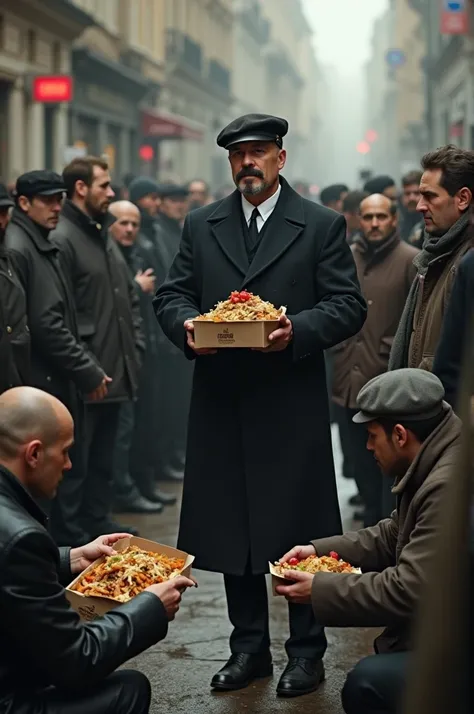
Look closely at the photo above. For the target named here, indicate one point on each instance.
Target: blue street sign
(455, 5)
(395, 58)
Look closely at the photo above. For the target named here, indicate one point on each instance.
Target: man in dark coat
(109, 321)
(259, 464)
(14, 331)
(175, 373)
(69, 663)
(60, 364)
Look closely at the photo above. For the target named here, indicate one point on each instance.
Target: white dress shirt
(265, 209)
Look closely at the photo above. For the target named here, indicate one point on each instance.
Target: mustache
(244, 173)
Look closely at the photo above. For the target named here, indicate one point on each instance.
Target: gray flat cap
(404, 394)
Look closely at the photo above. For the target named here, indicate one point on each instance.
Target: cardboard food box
(279, 580)
(235, 333)
(90, 608)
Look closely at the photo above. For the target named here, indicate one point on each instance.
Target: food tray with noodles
(243, 320)
(116, 579)
(313, 564)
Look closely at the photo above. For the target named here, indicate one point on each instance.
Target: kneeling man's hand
(170, 593)
(299, 591)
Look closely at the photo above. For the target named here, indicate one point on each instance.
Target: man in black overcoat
(259, 465)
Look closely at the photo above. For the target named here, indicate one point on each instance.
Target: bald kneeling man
(50, 661)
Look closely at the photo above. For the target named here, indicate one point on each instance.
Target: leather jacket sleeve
(62, 649)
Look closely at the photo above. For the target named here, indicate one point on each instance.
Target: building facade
(449, 79)
(197, 95)
(35, 40)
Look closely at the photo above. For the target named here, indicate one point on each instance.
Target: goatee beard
(251, 189)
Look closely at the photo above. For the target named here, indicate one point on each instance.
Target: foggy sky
(343, 31)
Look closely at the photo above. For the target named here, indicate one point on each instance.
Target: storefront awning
(163, 125)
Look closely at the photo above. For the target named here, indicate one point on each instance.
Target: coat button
(356, 368)
(116, 290)
(48, 378)
(9, 329)
(370, 302)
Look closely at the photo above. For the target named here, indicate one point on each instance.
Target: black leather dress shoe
(159, 496)
(301, 676)
(242, 669)
(138, 505)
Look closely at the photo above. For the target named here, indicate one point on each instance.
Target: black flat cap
(142, 186)
(253, 127)
(400, 395)
(39, 183)
(5, 199)
(172, 190)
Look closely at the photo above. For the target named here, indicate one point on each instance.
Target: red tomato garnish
(235, 299)
(293, 561)
(244, 295)
(333, 554)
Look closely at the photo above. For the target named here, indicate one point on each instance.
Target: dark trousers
(64, 511)
(247, 604)
(367, 474)
(340, 418)
(125, 489)
(123, 692)
(376, 684)
(101, 432)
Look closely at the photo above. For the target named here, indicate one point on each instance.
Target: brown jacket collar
(431, 451)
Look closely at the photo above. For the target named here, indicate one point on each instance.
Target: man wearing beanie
(414, 436)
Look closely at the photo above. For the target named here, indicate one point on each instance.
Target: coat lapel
(226, 227)
(287, 224)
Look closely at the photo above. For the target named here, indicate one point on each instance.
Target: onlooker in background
(446, 191)
(457, 323)
(199, 194)
(409, 216)
(155, 254)
(385, 270)
(351, 212)
(175, 372)
(110, 328)
(14, 331)
(124, 231)
(382, 184)
(333, 196)
(70, 663)
(60, 363)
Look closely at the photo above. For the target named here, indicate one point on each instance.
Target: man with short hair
(333, 196)
(61, 365)
(69, 664)
(128, 498)
(385, 270)
(199, 194)
(382, 184)
(351, 212)
(446, 193)
(15, 368)
(410, 218)
(109, 322)
(415, 438)
(259, 463)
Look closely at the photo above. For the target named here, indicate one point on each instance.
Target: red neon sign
(53, 88)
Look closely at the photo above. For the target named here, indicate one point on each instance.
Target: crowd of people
(104, 395)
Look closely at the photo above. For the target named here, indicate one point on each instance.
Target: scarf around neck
(433, 248)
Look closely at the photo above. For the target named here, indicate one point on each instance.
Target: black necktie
(253, 230)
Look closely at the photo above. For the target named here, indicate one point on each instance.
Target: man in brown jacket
(415, 437)
(446, 190)
(385, 270)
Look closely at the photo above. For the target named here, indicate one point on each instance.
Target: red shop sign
(53, 88)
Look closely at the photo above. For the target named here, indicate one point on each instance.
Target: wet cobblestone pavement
(181, 667)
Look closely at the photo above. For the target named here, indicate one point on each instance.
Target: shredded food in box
(124, 575)
(315, 564)
(243, 306)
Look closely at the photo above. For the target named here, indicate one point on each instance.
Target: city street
(181, 667)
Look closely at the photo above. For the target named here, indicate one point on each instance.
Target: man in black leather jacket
(50, 661)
